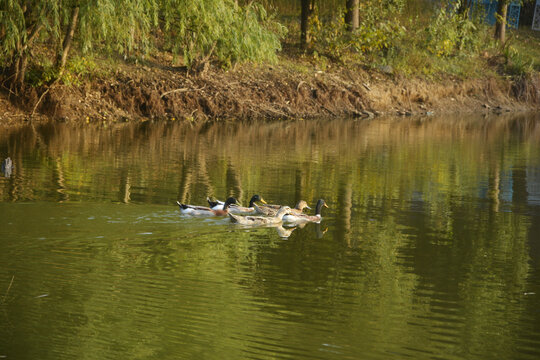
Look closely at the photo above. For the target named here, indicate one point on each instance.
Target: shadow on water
(429, 247)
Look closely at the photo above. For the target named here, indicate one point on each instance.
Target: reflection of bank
(344, 208)
(7, 167)
(533, 185)
(517, 184)
(521, 185)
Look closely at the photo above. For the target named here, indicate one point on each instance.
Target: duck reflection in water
(319, 232)
(285, 232)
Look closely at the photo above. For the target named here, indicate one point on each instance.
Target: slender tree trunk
(14, 67)
(66, 45)
(500, 25)
(352, 16)
(304, 21)
(463, 7)
(22, 62)
(18, 70)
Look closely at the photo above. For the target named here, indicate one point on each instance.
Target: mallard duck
(269, 210)
(261, 220)
(206, 211)
(236, 209)
(299, 218)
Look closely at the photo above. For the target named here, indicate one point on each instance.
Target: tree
(119, 24)
(352, 18)
(122, 26)
(500, 25)
(201, 29)
(463, 6)
(22, 23)
(66, 45)
(307, 10)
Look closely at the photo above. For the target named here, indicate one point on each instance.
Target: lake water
(430, 247)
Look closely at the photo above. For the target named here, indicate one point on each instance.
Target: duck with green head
(206, 211)
(236, 209)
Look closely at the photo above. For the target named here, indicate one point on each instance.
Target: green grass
(526, 43)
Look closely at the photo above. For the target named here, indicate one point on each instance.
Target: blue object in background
(489, 8)
(512, 17)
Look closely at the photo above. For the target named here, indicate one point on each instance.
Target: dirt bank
(249, 91)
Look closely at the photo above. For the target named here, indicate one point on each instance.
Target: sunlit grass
(527, 44)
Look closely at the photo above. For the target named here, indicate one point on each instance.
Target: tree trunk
(66, 45)
(22, 63)
(500, 25)
(352, 17)
(17, 71)
(304, 21)
(463, 7)
(20, 60)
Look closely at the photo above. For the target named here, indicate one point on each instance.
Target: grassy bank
(406, 60)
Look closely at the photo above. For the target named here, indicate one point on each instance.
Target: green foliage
(452, 33)
(44, 73)
(445, 41)
(232, 31)
(118, 25)
(377, 33)
(526, 43)
(76, 70)
(196, 29)
(516, 63)
(329, 39)
(12, 23)
(20, 19)
(201, 28)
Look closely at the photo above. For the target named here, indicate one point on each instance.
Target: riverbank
(154, 90)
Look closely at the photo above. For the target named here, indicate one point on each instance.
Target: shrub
(378, 31)
(200, 29)
(453, 33)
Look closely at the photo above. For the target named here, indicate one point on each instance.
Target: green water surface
(430, 247)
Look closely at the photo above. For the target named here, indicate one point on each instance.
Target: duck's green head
(319, 206)
(255, 198)
(229, 202)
